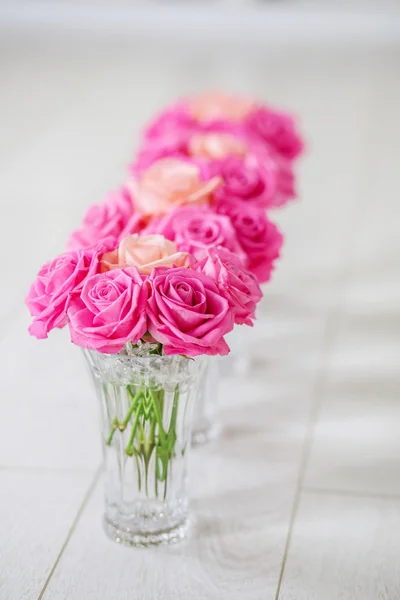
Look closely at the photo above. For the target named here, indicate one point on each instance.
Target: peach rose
(145, 253)
(216, 146)
(215, 105)
(168, 183)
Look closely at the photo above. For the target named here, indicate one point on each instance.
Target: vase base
(201, 437)
(145, 539)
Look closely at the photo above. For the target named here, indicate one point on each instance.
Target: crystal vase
(238, 361)
(146, 408)
(205, 423)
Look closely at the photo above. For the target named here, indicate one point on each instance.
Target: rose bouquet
(154, 281)
(208, 170)
(145, 312)
(229, 113)
(229, 154)
(216, 126)
(175, 197)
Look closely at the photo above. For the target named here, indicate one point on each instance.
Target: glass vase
(205, 422)
(238, 362)
(146, 408)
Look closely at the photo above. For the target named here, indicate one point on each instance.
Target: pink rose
(217, 105)
(168, 146)
(57, 280)
(235, 283)
(171, 182)
(285, 183)
(187, 313)
(110, 311)
(249, 180)
(115, 218)
(169, 121)
(277, 129)
(203, 146)
(259, 238)
(195, 230)
(145, 253)
(216, 145)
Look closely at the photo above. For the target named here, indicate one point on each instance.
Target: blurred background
(78, 80)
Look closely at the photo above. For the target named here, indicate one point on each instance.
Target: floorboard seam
(349, 493)
(333, 315)
(72, 529)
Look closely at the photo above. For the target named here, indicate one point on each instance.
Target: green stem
(147, 406)
(161, 432)
(174, 415)
(134, 404)
(166, 448)
(129, 449)
(114, 426)
(138, 469)
(123, 425)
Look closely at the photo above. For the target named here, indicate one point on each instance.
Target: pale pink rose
(186, 312)
(145, 253)
(260, 239)
(202, 146)
(236, 284)
(171, 182)
(217, 105)
(277, 129)
(56, 282)
(216, 146)
(197, 229)
(174, 145)
(110, 311)
(114, 217)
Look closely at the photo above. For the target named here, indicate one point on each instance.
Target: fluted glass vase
(238, 361)
(146, 407)
(205, 423)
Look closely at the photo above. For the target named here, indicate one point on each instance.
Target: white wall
(243, 20)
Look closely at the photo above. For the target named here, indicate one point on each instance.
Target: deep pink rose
(277, 129)
(285, 183)
(211, 143)
(114, 217)
(245, 180)
(226, 112)
(239, 286)
(187, 313)
(180, 120)
(171, 120)
(169, 145)
(57, 280)
(110, 311)
(257, 235)
(197, 229)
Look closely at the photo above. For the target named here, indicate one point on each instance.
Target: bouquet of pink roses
(155, 279)
(217, 127)
(144, 289)
(207, 171)
(172, 198)
(151, 307)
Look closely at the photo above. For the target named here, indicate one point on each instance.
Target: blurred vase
(205, 423)
(238, 361)
(147, 408)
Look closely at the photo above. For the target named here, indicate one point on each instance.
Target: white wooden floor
(300, 498)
